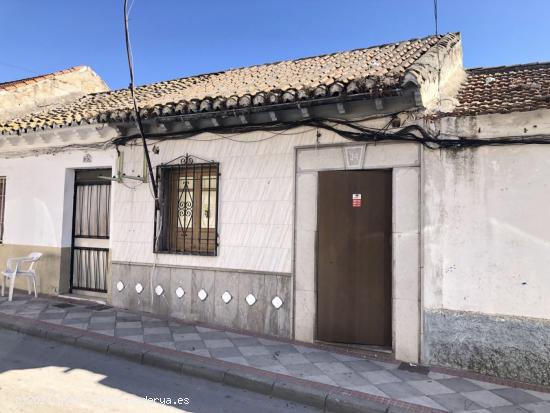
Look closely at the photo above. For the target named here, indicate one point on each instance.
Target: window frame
(170, 236)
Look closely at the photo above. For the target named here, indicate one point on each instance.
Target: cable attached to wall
(355, 131)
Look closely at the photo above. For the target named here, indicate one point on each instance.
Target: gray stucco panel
(261, 317)
(511, 347)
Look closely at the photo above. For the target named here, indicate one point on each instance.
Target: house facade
(384, 198)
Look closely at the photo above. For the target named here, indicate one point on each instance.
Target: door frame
(73, 223)
(404, 159)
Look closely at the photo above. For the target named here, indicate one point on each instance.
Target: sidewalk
(333, 380)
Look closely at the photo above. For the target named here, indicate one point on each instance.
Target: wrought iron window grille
(186, 220)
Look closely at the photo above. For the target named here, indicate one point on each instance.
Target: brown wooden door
(354, 257)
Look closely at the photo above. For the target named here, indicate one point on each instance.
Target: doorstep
(362, 349)
(320, 376)
(85, 296)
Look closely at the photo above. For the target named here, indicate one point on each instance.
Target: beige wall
(52, 269)
(43, 92)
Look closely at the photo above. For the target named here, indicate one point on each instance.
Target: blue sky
(175, 38)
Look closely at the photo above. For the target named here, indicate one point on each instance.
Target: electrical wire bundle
(351, 130)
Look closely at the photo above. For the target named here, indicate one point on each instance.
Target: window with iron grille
(2, 206)
(187, 219)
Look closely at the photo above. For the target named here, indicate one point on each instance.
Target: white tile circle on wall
(120, 286)
(250, 299)
(139, 288)
(277, 302)
(180, 292)
(159, 290)
(226, 297)
(202, 294)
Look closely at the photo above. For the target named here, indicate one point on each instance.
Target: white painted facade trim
(55, 140)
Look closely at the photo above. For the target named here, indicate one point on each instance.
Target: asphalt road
(43, 376)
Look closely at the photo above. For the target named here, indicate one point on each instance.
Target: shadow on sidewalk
(36, 373)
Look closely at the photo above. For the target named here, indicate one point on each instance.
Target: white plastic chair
(15, 268)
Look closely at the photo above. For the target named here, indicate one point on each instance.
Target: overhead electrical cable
(352, 131)
(137, 116)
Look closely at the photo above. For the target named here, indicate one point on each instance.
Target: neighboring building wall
(38, 93)
(486, 258)
(38, 215)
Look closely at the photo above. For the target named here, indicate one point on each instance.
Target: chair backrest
(21, 262)
(33, 257)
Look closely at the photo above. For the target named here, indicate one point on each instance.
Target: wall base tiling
(53, 269)
(261, 317)
(511, 347)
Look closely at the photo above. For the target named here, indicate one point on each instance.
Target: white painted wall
(255, 207)
(487, 232)
(486, 238)
(39, 196)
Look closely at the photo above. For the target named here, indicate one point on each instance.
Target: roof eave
(340, 107)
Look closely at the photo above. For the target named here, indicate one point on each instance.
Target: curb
(325, 397)
(364, 354)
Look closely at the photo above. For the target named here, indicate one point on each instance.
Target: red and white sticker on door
(356, 200)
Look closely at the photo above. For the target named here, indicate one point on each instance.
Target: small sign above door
(354, 156)
(356, 200)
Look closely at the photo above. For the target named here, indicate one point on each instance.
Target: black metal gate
(91, 217)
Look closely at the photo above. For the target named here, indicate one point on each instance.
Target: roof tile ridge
(421, 68)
